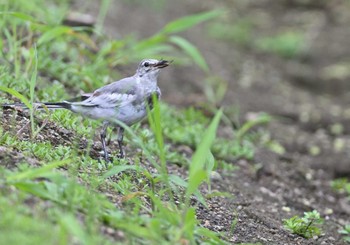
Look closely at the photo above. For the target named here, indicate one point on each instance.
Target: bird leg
(120, 142)
(103, 140)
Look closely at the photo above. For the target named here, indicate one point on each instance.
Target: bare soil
(307, 96)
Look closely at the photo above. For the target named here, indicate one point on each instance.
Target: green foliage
(341, 185)
(184, 127)
(82, 200)
(35, 173)
(65, 196)
(346, 233)
(307, 226)
(19, 227)
(60, 57)
(40, 150)
(201, 157)
(158, 42)
(286, 44)
(240, 32)
(261, 119)
(156, 126)
(191, 50)
(215, 90)
(232, 149)
(79, 125)
(16, 94)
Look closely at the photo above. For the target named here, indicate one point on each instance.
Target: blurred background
(288, 58)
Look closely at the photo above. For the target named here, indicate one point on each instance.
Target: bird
(125, 101)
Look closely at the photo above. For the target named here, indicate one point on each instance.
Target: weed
(287, 44)
(307, 226)
(341, 185)
(346, 233)
(74, 196)
(240, 32)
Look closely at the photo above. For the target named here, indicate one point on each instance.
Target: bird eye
(146, 64)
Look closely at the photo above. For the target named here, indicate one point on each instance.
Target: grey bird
(124, 101)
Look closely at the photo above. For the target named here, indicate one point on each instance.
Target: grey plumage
(125, 100)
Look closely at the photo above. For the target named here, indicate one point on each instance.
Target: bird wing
(116, 94)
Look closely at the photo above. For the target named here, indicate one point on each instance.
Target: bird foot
(121, 155)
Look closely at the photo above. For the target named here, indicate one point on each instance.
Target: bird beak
(162, 64)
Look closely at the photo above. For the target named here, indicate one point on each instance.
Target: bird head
(151, 67)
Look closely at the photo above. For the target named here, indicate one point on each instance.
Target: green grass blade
(191, 50)
(190, 223)
(119, 169)
(53, 34)
(263, 119)
(149, 43)
(197, 167)
(104, 7)
(16, 94)
(187, 22)
(37, 189)
(210, 235)
(37, 172)
(19, 15)
(155, 123)
(177, 180)
(70, 224)
(32, 90)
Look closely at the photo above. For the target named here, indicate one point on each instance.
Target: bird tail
(48, 105)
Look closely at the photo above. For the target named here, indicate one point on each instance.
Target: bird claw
(107, 159)
(121, 155)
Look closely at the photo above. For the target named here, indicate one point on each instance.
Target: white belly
(127, 114)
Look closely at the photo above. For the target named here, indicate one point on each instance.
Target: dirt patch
(306, 93)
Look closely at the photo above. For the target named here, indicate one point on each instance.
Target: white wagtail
(124, 101)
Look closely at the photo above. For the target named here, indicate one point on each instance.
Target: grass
(245, 33)
(307, 226)
(287, 44)
(346, 233)
(341, 185)
(240, 32)
(65, 196)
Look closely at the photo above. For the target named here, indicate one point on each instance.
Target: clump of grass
(341, 185)
(43, 53)
(286, 44)
(346, 233)
(307, 226)
(240, 32)
(142, 201)
(185, 127)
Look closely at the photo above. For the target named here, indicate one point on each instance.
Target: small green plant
(341, 185)
(307, 226)
(286, 44)
(346, 233)
(240, 32)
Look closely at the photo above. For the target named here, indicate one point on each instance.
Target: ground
(306, 91)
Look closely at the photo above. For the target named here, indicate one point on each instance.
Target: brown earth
(308, 94)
